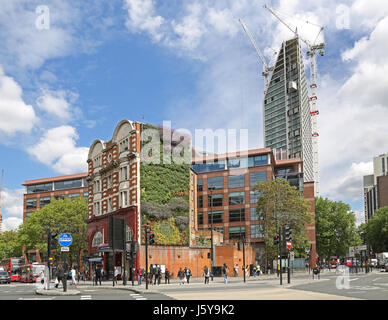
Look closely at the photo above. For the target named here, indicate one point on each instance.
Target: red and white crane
(266, 68)
(312, 48)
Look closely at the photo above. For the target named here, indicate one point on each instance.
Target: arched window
(98, 239)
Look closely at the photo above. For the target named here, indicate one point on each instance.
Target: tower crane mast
(312, 48)
(1, 187)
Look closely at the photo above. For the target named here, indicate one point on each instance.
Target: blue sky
(189, 62)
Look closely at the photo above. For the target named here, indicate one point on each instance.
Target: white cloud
(12, 203)
(57, 149)
(15, 114)
(57, 103)
(11, 224)
(141, 18)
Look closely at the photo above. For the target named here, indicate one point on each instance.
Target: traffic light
(151, 238)
(276, 239)
(53, 241)
(287, 234)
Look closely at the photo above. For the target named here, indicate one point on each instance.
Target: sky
(71, 71)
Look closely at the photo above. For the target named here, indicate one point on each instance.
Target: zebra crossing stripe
(86, 297)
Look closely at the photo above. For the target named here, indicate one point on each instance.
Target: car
(5, 277)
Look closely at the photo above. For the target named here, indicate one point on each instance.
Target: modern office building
(286, 109)
(376, 186)
(225, 197)
(39, 192)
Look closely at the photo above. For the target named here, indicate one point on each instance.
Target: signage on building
(104, 248)
(65, 240)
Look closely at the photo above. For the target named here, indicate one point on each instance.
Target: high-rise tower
(286, 109)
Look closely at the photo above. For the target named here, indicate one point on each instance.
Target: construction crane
(312, 48)
(266, 69)
(1, 187)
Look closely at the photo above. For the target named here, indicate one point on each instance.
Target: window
(110, 207)
(200, 202)
(219, 229)
(98, 239)
(124, 173)
(254, 196)
(74, 195)
(97, 186)
(200, 184)
(215, 200)
(237, 215)
(110, 179)
(31, 203)
(85, 182)
(255, 177)
(208, 167)
(284, 171)
(383, 164)
(40, 188)
(257, 231)
(44, 201)
(124, 145)
(218, 217)
(216, 182)
(97, 209)
(258, 160)
(236, 233)
(128, 234)
(59, 196)
(124, 198)
(254, 216)
(200, 218)
(236, 198)
(237, 181)
(86, 194)
(69, 184)
(237, 163)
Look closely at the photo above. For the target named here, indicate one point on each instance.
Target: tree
(335, 227)
(282, 205)
(376, 230)
(60, 216)
(9, 245)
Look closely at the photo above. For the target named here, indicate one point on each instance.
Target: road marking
(134, 294)
(141, 298)
(86, 297)
(354, 279)
(376, 279)
(90, 290)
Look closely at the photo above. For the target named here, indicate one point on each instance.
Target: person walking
(258, 269)
(225, 272)
(98, 275)
(181, 276)
(73, 275)
(167, 276)
(115, 274)
(159, 274)
(236, 270)
(188, 275)
(254, 271)
(206, 274)
(139, 275)
(60, 274)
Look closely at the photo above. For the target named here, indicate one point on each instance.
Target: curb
(57, 292)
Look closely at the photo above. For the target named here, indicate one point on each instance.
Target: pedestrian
(59, 276)
(206, 274)
(167, 276)
(236, 270)
(98, 275)
(225, 272)
(159, 274)
(181, 275)
(254, 270)
(115, 274)
(258, 270)
(139, 275)
(73, 275)
(188, 275)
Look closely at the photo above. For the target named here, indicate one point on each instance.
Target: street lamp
(211, 189)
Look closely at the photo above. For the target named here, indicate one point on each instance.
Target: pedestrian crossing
(137, 296)
(86, 297)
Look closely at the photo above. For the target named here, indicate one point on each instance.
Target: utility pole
(211, 232)
(48, 254)
(146, 253)
(280, 255)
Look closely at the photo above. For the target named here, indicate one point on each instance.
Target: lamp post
(211, 189)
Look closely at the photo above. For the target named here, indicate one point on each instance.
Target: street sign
(292, 255)
(65, 240)
(351, 252)
(360, 248)
(65, 249)
(288, 245)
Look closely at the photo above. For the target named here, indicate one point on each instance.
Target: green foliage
(376, 230)
(10, 246)
(335, 228)
(167, 232)
(59, 216)
(283, 205)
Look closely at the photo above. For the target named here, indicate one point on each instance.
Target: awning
(95, 259)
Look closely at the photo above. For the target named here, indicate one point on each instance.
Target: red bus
(13, 266)
(333, 262)
(31, 272)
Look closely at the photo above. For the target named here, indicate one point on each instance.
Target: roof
(231, 155)
(54, 179)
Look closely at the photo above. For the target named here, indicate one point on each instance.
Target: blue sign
(65, 240)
